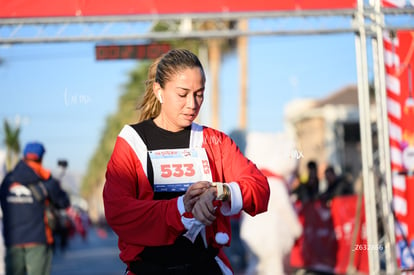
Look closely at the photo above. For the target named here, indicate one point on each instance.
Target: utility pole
(215, 60)
(242, 53)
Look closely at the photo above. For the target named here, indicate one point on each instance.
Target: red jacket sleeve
(129, 209)
(232, 166)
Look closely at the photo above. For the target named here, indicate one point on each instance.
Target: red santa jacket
(140, 221)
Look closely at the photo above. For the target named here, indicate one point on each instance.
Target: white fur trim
(196, 137)
(222, 238)
(180, 205)
(236, 205)
(136, 143)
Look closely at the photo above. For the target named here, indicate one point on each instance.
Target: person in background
(269, 237)
(25, 195)
(336, 185)
(171, 184)
(308, 189)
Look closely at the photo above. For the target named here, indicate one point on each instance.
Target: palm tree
(11, 140)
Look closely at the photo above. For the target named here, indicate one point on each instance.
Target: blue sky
(63, 95)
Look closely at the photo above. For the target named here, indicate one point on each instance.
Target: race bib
(175, 170)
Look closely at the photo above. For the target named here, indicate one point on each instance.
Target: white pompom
(222, 238)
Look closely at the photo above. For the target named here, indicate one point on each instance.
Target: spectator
(308, 190)
(25, 195)
(337, 185)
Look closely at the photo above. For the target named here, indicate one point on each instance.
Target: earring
(160, 97)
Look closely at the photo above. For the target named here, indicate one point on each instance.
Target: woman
(172, 184)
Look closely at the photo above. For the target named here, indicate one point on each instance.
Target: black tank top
(156, 138)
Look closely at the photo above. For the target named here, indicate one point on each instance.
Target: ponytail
(150, 107)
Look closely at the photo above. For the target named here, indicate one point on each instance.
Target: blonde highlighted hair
(150, 107)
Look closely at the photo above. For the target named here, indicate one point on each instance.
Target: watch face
(221, 194)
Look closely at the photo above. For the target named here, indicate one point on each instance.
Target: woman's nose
(191, 101)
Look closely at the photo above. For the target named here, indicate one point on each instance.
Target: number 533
(177, 170)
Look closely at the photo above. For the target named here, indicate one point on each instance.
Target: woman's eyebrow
(189, 90)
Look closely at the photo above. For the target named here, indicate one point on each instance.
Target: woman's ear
(158, 92)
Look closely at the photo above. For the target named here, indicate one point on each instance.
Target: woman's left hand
(203, 209)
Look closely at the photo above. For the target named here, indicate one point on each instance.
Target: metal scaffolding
(187, 26)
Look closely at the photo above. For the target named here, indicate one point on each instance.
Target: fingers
(204, 210)
(193, 193)
(189, 203)
(198, 188)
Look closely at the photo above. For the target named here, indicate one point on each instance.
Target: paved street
(99, 256)
(96, 256)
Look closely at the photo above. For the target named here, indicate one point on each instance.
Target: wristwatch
(223, 191)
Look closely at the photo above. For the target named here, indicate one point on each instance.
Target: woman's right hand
(193, 193)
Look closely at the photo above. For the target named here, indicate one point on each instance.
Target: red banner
(50, 8)
(328, 243)
(399, 64)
